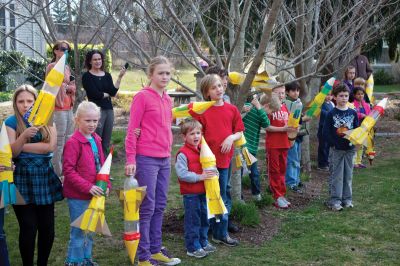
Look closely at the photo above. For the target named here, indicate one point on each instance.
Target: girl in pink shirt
(363, 109)
(148, 158)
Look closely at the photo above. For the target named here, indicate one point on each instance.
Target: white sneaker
(348, 205)
(200, 253)
(281, 203)
(257, 197)
(336, 207)
(287, 202)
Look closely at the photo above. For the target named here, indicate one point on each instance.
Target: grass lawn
(387, 88)
(368, 234)
(134, 79)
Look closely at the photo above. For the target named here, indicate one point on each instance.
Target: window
(7, 27)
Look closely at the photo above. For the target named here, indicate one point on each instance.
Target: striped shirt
(253, 121)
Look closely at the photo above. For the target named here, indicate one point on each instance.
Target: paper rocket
(93, 219)
(44, 105)
(197, 107)
(314, 108)
(131, 198)
(243, 158)
(294, 108)
(261, 81)
(361, 135)
(8, 190)
(370, 151)
(369, 90)
(215, 206)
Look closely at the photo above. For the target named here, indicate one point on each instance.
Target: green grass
(387, 88)
(366, 235)
(133, 79)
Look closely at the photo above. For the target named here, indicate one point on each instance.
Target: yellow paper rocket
(44, 105)
(9, 192)
(215, 206)
(197, 107)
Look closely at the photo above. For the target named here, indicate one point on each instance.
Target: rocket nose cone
(383, 103)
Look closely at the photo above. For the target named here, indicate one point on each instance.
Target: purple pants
(155, 174)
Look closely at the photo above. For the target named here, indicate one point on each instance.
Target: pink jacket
(79, 167)
(152, 114)
(366, 106)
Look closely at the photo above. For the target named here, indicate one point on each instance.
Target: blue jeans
(293, 165)
(255, 178)
(323, 153)
(80, 244)
(220, 230)
(3, 244)
(196, 221)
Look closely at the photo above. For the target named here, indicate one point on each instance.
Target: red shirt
(219, 122)
(277, 140)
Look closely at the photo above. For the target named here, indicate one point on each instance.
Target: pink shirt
(151, 113)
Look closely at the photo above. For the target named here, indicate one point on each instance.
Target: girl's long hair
(21, 126)
(206, 83)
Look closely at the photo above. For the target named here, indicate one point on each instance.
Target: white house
(19, 28)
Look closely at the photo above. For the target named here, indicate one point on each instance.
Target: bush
(36, 71)
(245, 213)
(82, 53)
(5, 96)
(10, 61)
(265, 201)
(381, 77)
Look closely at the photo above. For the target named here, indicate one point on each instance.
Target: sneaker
(232, 228)
(209, 248)
(200, 253)
(348, 205)
(149, 262)
(163, 257)
(281, 203)
(359, 166)
(287, 202)
(257, 197)
(336, 207)
(89, 262)
(227, 241)
(296, 189)
(323, 168)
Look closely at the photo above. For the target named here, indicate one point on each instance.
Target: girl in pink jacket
(148, 157)
(363, 109)
(83, 158)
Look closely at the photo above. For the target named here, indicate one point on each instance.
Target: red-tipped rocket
(93, 219)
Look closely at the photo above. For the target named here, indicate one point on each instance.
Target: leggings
(34, 219)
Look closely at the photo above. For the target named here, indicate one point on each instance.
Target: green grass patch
(387, 88)
(266, 200)
(135, 79)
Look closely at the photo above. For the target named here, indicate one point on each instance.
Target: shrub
(245, 213)
(5, 96)
(36, 71)
(10, 61)
(246, 183)
(381, 77)
(265, 201)
(82, 53)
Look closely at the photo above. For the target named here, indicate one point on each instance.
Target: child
(292, 177)
(34, 178)
(363, 109)
(253, 121)
(191, 176)
(323, 147)
(149, 157)
(83, 157)
(222, 125)
(223, 74)
(277, 146)
(3, 244)
(360, 82)
(339, 120)
(349, 76)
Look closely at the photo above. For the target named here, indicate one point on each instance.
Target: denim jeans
(323, 153)
(292, 177)
(255, 178)
(341, 176)
(220, 230)
(80, 243)
(3, 244)
(196, 221)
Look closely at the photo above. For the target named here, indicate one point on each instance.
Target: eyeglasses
(63, 49)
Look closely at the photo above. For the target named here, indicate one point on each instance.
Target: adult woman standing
(63, 116)
(99, 88)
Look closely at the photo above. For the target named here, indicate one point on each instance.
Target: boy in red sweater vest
(190, 176)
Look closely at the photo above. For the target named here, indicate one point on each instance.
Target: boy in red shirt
(277, 146)
(222, 125)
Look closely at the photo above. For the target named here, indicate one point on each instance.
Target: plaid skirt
(36, 180)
